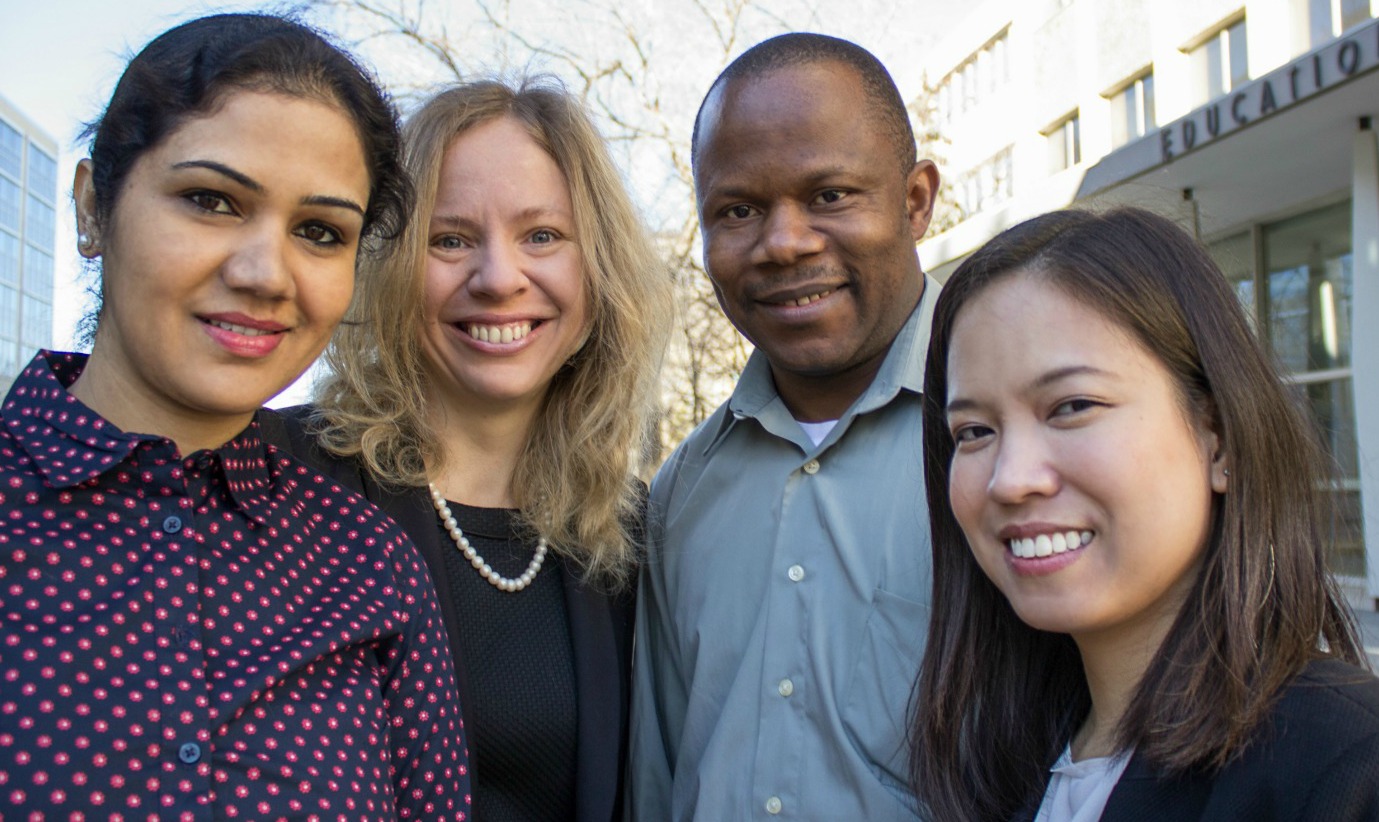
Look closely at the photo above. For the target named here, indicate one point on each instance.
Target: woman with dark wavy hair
(1132, 613)
(196, 625)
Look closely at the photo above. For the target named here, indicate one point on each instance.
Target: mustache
(825, 276)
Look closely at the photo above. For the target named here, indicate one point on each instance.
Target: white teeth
(240, 329)
(812, 298)
(498, 333)
(1045, 545)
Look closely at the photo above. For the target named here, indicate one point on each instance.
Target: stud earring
(84, 240)
(1226, 471)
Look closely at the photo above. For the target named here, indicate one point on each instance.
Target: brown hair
(996, 700)
(573, 480)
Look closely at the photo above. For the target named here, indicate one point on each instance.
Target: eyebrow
(1044, 380)
(256, 187)
(533, 213)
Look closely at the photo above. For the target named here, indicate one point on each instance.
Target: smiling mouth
(242, 329)
(806, 300)
(1046, 545)
(510, 332)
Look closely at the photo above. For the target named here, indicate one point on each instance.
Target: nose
(1024, 468)
(498, 272)
(787, 236)
(260, 265)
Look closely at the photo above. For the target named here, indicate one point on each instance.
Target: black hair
(998, 700)
(798, 48)
(187, 70)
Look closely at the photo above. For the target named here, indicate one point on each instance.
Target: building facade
(1251, 123)
(28, 228)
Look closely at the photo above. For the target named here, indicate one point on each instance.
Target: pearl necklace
(485, 570)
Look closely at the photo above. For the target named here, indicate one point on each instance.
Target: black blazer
(1316, 760)
(600, 625)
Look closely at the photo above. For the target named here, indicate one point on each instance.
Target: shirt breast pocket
(876, 709)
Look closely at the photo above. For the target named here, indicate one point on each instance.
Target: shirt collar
(70, 444)
(755, 395)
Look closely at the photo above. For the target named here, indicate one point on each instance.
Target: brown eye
(212, 201)
(319, 234)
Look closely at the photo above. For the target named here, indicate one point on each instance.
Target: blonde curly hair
(574, 479)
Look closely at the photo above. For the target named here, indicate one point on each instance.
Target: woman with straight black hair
(1132, 613)
(195, 624)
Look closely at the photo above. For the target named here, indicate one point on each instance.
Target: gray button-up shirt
(784, 606)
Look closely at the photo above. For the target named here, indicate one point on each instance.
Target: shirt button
(172, 525)
(811, 467)
(190, 753)
(796, 573)
(773, 805)
(786, 687)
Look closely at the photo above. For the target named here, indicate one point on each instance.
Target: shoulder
(1318, 757)
(295, 431)
(1329, 702)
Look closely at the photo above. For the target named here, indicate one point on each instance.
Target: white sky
(59, 60)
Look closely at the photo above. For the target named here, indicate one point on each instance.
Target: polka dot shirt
(228, 635)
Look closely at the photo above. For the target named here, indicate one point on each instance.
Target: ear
(84, 195)
(1220, 466)
(921, 189)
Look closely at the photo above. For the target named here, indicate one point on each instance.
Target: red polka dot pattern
(229, 635)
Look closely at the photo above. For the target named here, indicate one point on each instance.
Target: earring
(1226, 471)
(84, 240)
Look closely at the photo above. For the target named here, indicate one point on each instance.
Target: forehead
(807, 112)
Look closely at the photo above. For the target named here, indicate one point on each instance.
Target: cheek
(437, 285)
(327, 293)
(967, 492)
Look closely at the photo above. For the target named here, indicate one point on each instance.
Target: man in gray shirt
(784, 602)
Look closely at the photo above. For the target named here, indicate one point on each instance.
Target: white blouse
(1078, 791)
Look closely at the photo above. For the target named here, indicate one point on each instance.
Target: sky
(60, 59)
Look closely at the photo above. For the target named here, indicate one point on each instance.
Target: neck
(481, 453)
(822, 398)
(1114, 664)
(132, 411)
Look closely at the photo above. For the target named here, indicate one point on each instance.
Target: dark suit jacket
(600, 625)
(1316, 760)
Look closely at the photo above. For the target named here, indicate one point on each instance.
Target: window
(38, 273)
(980, 75)
(38, 324)
(9, 258)
(42, 224)
(9, 363)
(986, 186)
(1132, 110)
(1299, 295)
(1065, 143)
(1220, 62)
(42, 174)
(9, 312)
(9, 205)
(11, 150)
(1329, 19)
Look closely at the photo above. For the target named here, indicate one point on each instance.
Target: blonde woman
(490, 396)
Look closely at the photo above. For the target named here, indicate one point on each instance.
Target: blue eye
(449, 242)
(543, 236)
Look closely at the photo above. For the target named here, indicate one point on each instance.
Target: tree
(641, 67)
